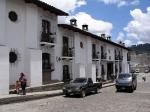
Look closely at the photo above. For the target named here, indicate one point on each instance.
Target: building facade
(91, 55)
(31, 41)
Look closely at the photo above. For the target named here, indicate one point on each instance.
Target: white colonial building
(83, 54)
(32, 41)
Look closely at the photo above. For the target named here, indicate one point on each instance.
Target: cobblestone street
(108, 100)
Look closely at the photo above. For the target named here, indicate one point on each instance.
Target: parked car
(81, 86)
(146, 71)
(126, 81)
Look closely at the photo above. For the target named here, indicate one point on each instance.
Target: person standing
(23, 82)
(17, 86)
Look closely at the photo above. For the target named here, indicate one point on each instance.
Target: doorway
(66, 74)
(110, 71)
(46, 68)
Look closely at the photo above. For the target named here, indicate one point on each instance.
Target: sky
(124, 20)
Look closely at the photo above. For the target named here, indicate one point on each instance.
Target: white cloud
(95, 26)
(120, 3)
(128, 43)
(135, 2)
(139, 27)
(66, 5)
(120, 36)
(140, 42)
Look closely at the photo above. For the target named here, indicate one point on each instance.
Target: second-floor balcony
(67, 52)
(47, 39)
(118, 57)
(95, 57)
(103, 55)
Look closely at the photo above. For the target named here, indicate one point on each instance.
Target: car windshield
(124, 76)
(79, 80)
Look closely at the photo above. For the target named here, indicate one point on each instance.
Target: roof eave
(48, 7)
(91, 35)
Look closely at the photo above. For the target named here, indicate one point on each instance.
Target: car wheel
(131, 89)
(135, 88)
(118, 89)
(96, 90)
(83, 94)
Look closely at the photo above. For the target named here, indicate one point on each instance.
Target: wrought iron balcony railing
(103, 55)
(120, 57)
(46, 37)
(95, 56)
(68, 52)
(116, 57)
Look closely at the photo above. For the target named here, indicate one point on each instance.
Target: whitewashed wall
(2, 22)
(15, 34)
(23, 35)
(32, 26)
(35, 67)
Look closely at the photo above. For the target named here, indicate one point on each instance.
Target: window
(79, 80)
(93, 50)
(102, 49)
(65, 46)
(45, 26)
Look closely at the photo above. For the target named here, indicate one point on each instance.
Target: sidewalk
(14, 98)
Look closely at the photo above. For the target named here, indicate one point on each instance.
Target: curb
(108, 85)
(35, 97)
(27, 98)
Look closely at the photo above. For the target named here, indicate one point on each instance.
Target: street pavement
(108, 100)
(140, 75)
